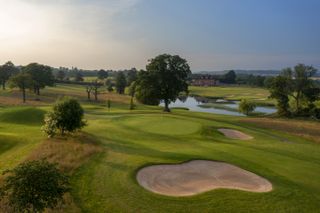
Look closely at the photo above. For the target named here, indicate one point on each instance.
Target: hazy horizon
(212, 35)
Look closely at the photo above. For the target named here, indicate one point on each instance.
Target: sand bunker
(199, 176)
(235, 134)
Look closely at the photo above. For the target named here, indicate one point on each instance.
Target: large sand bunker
(199, 176)
(235, 134)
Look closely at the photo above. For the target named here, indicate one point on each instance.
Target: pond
(222, 107)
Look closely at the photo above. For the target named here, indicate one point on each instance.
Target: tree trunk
(166, 105)
(88, 95)
(38, 91)
(4, 85)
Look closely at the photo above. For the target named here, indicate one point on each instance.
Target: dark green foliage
(78, 77)
(246, 107)
(34, 186)
(61, 75)
(67, 116)
(297, 85)
(23, 81)
(132, 76)
(110, 88)
(121, 83)
(145, 91)
(229, 78)
(6, 71)
(279, 90)
(102, 74)
(41, 76)
(165, 79)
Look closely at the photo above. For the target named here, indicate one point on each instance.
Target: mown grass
(103, 160)
(258, 95)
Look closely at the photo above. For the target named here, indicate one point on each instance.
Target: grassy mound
(27, 116)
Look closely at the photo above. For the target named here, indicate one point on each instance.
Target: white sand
(199, 176)
(235, 134)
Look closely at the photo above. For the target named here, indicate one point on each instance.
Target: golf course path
(235, 134)
(199, 176)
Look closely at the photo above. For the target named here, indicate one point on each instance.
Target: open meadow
(104, 158)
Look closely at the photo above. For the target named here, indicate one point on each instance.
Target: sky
(212, 35)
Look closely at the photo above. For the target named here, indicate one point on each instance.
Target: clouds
(64, 32)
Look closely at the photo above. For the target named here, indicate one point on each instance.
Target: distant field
(259, 95)
(104, 159)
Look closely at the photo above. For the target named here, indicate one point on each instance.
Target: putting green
(162, 124)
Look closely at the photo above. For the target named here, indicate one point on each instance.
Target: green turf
(258, 95)
(134, 139)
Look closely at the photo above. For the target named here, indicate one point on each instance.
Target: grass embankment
(254, 94)
(124, 141)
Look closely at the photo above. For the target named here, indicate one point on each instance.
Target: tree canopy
(6, 71)
(121, 83)
(34, 186)
(41, 76)
(295, 84)
(166, 77)
(67, 116)
(23, 81)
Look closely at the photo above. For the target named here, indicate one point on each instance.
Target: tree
(78, 77)
(300, 81)
(110, 88)
(131, 76)
(34, 186)
(41, 76)
(102, 74)
(23, 81)
(145, 92)
(88, 90)
(132, 89)
(95, 88)
(61, 75)
(132, 105)
(246, 107)
(279, 90)
(230, 77)
(6, 71)
(171, 73)
(121, 83)
(67, 116)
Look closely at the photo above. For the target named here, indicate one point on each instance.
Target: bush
(67, 116)
(246, 107)
(34, 186)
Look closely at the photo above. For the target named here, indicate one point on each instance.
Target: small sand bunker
(235, 134)
(199, 176)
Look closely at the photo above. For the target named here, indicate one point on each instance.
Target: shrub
(246, 107)
(34, 186)
(67, 116)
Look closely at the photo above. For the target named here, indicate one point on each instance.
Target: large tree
(7, 70)
(280, 90)
(41, 76)
(121, 83)
(23, 81)
(146, 92)
(230, 77)
(170, 73)
(296, 85)
(102, 74)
